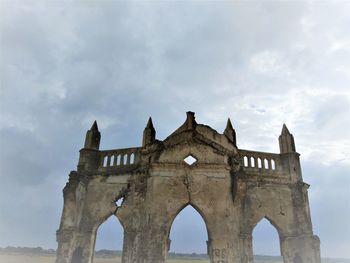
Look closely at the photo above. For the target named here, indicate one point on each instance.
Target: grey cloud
(66, 64)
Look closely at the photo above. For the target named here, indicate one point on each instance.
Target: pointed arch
(105, 161)
(266, 238)
(259, 162)
(252, 162)
(245, 161)
(111, 162)
(109, 232)
(118, 160)
(271, 221)
(266, 164)
(179, 211)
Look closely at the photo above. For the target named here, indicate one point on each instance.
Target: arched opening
(132, 158)
(118, 160)
(105, 161)
(252, 162)
(109, 240)
(266, 242)
(188, 235)
(245, 161)
(273, 164)
(259, 163)
(266, 164)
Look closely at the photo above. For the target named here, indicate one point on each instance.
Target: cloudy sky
(64, 64)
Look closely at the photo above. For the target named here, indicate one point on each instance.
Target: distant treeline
(105, 253)
(27, 251)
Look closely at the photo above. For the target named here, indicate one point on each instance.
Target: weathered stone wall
(230, 193)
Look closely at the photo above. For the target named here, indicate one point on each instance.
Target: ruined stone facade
(231, 188)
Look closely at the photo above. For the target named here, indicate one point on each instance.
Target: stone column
(144, 242)
(65, 241)
(65, 236)
(132, 246)
(301, 249)
(246, 250)
(157, 244)
(221, 251)
(87, 242)
(76, 247)
(130, 215)
(223, 245)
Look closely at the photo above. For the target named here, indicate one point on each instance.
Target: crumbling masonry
(231, 188)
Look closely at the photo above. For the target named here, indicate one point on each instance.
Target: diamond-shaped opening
(190, 160)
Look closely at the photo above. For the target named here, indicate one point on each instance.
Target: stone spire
(149, 133)
(229, 132)
(286, 141)
(93, 137)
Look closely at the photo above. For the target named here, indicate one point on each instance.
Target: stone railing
(261, 163)
(119, 158)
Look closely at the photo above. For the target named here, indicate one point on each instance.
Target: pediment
(201, 142)
(191, 143)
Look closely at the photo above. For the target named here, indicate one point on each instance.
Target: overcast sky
(64, 64)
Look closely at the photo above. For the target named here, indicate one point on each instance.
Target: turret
(89, 155)
(286, 141)
(149, 133)
(93, 137)
(290, 158)
(230, 133)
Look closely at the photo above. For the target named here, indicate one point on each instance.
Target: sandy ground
(48, 259)
(51, 259)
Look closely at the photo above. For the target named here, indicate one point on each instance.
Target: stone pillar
(157, 246)
(66, 234)
(75, 247)
(65, 241)
(79, 249)
(223, 239)
(86, 242)
(132, 246)
(301, 249)
(222, 251)
(246, 248)
(146, 242)
(130, 215)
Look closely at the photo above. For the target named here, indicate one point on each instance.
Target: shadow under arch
(178, 211)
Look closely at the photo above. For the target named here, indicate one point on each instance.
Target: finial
(229, 124)
(285, 130)
(286, 141)
(230, 132)
(149, 133)
(149, 124)
(93, 137)
(94, 126)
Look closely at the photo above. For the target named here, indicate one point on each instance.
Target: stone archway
(198, 212)
(109, 235)
(266, 234)
(231, 187)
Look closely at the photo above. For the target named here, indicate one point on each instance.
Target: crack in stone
(186, 182)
